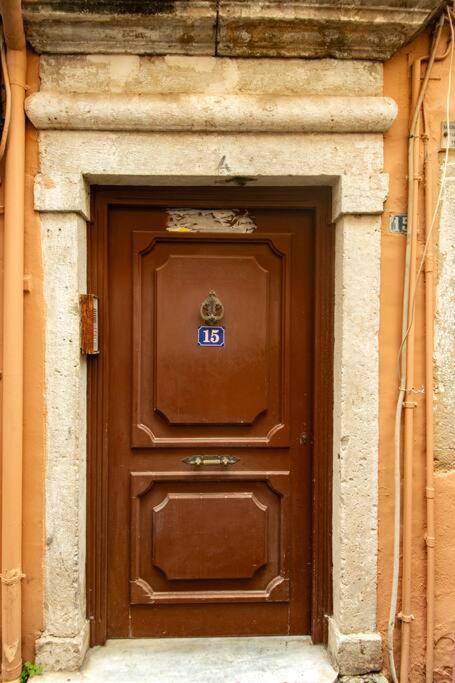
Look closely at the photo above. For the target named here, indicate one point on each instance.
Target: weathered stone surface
(175, 74)
(199, 93)
(371, 189)
(292, 659)
(352, 164)
(356, 426)
(62, 654)
(366, 29)
(369, 678)
(138, 157)
(444, 356)
(68, 192)
(344, 161)
(64, 265)
(240, 113)
(150, 27)
(354, 654)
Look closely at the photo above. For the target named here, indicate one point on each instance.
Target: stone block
(354, 654)
(181, 74)
(62, 654)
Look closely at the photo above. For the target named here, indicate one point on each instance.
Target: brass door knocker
(212, 310)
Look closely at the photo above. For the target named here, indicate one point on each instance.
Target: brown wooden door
(211, 549)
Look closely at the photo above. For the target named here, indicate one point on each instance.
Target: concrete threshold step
(203, 660)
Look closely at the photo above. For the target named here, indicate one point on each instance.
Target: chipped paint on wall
(210, 220)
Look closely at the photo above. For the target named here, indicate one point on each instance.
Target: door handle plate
(211, 460)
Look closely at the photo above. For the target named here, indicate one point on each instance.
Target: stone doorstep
(203, 660)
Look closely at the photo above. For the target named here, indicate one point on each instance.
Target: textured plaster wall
(445, 329)
(173, 74)
(396, 85)
(352, 164)
(34, 409)
(64, 257)
(445, 432)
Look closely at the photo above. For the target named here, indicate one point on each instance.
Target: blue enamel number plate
(208, 335)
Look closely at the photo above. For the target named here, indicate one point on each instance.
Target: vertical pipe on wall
(13, 331)
(429, 489)
(407, 372)
(409, 404)
(428, 256)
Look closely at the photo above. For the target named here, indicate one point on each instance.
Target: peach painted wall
(33, 471)
(396, 85)
(34, 435)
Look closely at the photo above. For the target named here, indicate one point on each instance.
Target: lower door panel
(198, 537)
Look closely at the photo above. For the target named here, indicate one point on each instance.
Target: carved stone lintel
(228, 113)
(246, 28)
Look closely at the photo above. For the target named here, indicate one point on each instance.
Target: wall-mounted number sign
(207, 335)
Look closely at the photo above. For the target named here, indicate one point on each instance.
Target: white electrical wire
(443, 175)
(399, 407)
(8, 98)
(396, 536)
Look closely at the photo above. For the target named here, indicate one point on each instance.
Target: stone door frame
(352, 164)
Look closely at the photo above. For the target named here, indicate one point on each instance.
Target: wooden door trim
(316, 199)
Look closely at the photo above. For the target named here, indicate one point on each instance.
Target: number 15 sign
(207, 335)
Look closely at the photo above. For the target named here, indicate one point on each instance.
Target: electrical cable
(410, 310)
(8, 99)
(402, 387)
(443, 175)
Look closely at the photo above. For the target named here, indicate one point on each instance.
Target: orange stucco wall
(34, 434)
(396, 85)
(33, 466)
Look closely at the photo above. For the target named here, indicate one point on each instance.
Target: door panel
(183, 392)
(236, 523)
(209, 549)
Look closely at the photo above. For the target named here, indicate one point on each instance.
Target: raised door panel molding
(209, 537)
(227, 384)
(188, 394)
(228, 533)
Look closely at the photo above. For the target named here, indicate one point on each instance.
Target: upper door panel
(232, 394)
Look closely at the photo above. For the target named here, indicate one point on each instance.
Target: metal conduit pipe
(429, 489)
(428, 256)
(410, 284)
(13, 344)
(407, 346)
(409, 404)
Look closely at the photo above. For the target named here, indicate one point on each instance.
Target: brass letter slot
(199, 460)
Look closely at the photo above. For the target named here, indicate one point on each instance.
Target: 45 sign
(207, 335)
